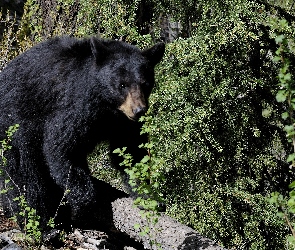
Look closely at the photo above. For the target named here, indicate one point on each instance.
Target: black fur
(65, 94)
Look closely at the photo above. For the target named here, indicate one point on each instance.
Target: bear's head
(127, 74)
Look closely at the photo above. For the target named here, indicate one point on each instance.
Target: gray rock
(167, 232)
(12, 246)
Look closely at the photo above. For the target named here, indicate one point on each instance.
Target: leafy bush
(220, 132)
(285, 40)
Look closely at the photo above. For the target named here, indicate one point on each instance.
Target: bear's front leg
(68, 168)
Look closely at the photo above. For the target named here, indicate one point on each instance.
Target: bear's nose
(139, 111)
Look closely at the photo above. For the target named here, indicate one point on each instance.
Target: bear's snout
(134, 105)
(139, 111)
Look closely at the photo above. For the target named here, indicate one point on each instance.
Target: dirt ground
(73, 241)
(5, 224)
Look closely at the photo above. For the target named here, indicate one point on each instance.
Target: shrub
(220, 132)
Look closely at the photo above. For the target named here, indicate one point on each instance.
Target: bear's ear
(99, 50)
(155, 53)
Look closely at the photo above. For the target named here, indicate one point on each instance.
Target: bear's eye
(122, 85)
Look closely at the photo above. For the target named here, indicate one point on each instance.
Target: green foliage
(145, 178)
(27, 216)
(99, 163)
(51, 223)
(219, 128)
(285, 211)
(41, 21)
(31, 220)
(108, 19)
(122, 23)
(6, 52)
(5, 144)
(12, 43)
(286, 94)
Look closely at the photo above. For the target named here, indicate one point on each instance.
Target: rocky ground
(121, 234)
(12, 239)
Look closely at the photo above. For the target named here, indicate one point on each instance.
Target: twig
(64, 194)
(289, 225)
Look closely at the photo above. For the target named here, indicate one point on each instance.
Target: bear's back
(30, 82)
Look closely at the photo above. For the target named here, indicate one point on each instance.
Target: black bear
(68, 95)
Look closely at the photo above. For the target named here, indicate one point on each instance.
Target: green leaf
(29, 225)
(287, 77)
(291, 202)
(290, 134)
(145, 159)
(3, 191)
(292, 185)
(156, 185)
(280, 214)
(291, 239)
(285, 115)
(153, 204)
(117, 151)
(283, 23)
(276, 198)
(280, 38)
(289, 128)
(149, 145)
(277, 58)
(142, 234)
(291, 157)
(281, 96)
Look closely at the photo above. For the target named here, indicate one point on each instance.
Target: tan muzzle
(134, 105)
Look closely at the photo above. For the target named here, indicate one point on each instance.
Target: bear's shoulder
(68, 47)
